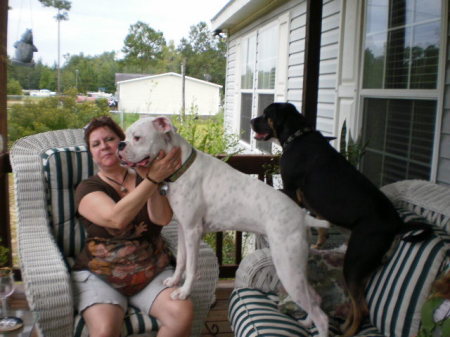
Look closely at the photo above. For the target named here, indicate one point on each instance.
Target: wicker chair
(47, 167)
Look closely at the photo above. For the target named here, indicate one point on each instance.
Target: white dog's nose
(122, 146)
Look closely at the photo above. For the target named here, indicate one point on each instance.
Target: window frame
(256, 31)
(410, 94)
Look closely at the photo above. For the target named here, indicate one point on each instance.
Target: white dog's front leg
(181, 260)
(192, 236)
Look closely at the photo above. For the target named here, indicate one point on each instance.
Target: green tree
(14, 87)
(63, 5)
(143, 47)
(204, 54)
(47, 79)
(28, 77)
(170, 60)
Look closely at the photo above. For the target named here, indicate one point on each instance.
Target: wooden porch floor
(216, 323)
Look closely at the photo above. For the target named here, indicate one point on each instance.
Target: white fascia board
(234, 11)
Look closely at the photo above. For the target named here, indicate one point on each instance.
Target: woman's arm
(159, 210)
(102, 210)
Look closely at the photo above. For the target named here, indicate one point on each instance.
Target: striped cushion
(397, 291)
(253, 312)
(135, 323)
(395, 294)
(64, 169)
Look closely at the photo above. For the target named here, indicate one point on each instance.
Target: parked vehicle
(42, 93)
(113, 102)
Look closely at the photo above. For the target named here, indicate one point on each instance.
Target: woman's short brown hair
(102, 121)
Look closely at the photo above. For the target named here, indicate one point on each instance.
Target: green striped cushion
(397, 291)
(64, 169)
(135, 323)
(253, 312)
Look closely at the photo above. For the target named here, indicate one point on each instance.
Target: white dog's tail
(317, 223)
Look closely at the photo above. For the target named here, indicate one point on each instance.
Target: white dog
(208, 195)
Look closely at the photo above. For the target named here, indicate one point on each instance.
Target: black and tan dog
(335, 190)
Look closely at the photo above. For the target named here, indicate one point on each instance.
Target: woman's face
(103, 143)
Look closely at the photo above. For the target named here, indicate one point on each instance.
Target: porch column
(312, 60)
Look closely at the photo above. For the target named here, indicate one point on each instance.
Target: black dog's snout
(122, 146)
(255, 120)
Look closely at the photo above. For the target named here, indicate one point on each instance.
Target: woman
(125, 258)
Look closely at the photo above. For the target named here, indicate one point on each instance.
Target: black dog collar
(296, 134)
(178, 173)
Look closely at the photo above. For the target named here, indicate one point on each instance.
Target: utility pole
(183, 89)
(58, 18)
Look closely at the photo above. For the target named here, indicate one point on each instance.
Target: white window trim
(282, 22)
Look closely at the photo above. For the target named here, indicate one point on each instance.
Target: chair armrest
(256, 270)
(203, 291)
(44, 272)
(424, 198)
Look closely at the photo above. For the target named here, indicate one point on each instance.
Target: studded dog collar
(178, 173)
(296, 134)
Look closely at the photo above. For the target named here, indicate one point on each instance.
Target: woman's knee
(170, 312)
(104, 320)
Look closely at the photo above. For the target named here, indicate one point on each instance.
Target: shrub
(207, 135)
(14, 87)
(3, 255)
(52, 113)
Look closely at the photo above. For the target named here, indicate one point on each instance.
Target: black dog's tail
(425, 231)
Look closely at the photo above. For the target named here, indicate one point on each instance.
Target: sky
(97, 26)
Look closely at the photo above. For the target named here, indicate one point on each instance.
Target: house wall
(162, 95)
(443, 169)
(293, 81)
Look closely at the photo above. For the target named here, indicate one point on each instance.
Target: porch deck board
(216, 323)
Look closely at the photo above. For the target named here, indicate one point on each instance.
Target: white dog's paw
(171, 282)
(179, 294)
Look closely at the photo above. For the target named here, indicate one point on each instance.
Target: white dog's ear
(162, 124)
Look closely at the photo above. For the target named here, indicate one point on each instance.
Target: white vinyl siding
(326, 101)
(328, 62)
(296, 10)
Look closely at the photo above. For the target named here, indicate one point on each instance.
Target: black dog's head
(279, 120)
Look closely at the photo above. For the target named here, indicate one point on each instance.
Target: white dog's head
(144, 139)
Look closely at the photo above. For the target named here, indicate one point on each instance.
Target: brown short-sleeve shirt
(127, 259)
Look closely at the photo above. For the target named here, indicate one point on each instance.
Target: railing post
(5, 232)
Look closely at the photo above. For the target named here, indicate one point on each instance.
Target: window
(263, 102)
(401, 56)
(258, 69)
(399, 135)
(246, 116)
(402, 44)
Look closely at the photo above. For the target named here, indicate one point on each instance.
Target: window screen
(399, 134)
(246, 115)
(263, 102)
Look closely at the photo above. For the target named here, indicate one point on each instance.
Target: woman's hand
(163, 166)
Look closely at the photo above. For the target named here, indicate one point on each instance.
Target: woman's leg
(104, 320)
(102, 307)
(175, 316)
